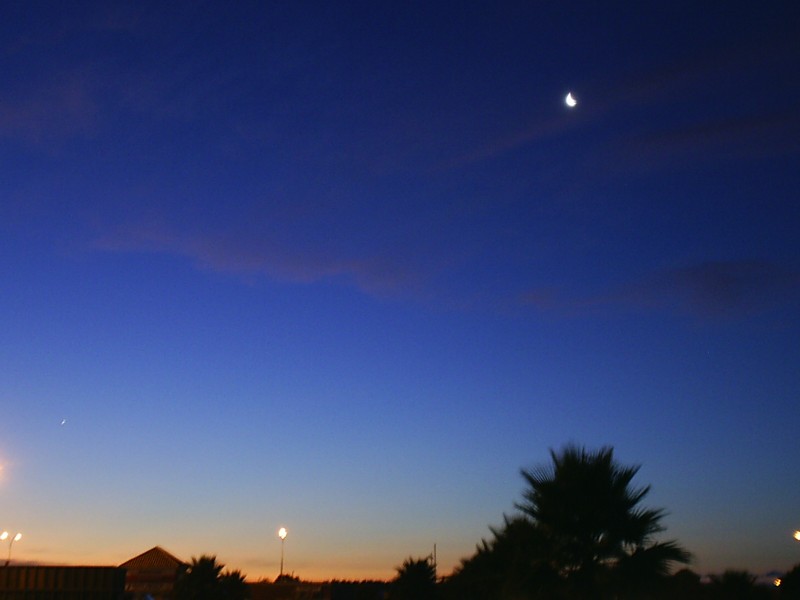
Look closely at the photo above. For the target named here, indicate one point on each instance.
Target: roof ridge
(155, 557)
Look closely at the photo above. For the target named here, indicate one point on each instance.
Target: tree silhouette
(790, 584)
(415, 580)
(514, 564)
(204, 580)
(601, 541)
(232, 585)
(581, 534)
(737, 585)
(684, 584)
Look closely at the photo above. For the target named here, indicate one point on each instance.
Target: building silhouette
(33, 582)
(152, 575)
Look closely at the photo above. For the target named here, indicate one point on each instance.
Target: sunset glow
(350, 267)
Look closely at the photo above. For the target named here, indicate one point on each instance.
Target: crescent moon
(570, 101)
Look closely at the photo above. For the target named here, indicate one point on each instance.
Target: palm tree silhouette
(415, 580)
(600, 542)
(205, 580)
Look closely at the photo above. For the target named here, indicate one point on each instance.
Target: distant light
(3, 536)
(797, 535)
(282, 533)
(777, 582)
(18, 537)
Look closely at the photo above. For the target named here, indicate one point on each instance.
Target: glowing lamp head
(796, 535)
(282, 533)
(18, 537)
(3, 536)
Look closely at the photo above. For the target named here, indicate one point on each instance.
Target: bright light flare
(282, 533)
(796, 535)
(18, 537)
(3, 536)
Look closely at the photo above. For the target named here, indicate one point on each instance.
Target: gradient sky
(346, 267)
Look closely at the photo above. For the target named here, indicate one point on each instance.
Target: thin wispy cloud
(247, 257)
(713, 289)
(719, 78)
(44, 112)
(537, 131)
(747, 137)
(716, 288)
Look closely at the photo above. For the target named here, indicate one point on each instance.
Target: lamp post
(282, 535)
(16, 538)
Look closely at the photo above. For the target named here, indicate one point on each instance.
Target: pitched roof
(155, 558)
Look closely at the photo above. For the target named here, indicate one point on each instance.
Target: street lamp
(796, 535)
(282, 535)
(16, 538)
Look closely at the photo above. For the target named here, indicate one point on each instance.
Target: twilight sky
(346, 267)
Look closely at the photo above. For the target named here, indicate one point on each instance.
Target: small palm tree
(415, 580)
(233, 586)
(736, 585)
(790, 584)
(513, 564)
(199, 582)
(205, 580)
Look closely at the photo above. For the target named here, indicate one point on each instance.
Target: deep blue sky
(347, 267)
